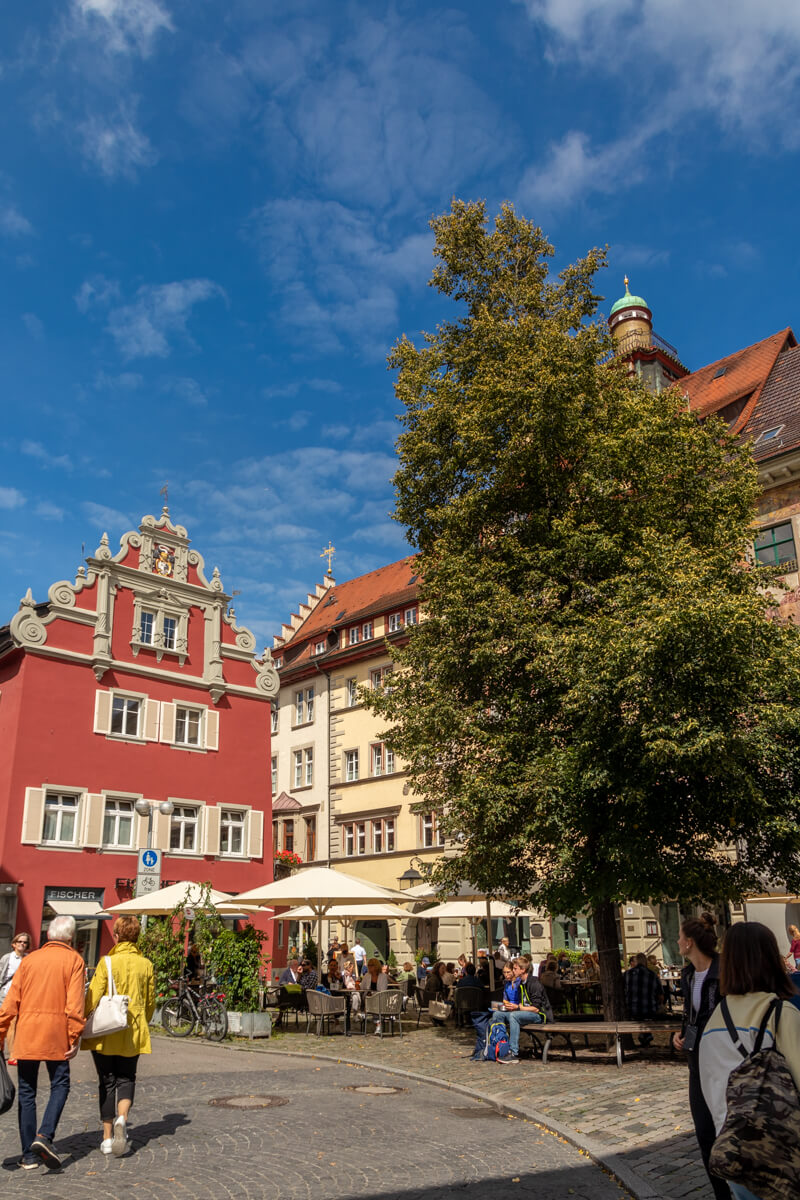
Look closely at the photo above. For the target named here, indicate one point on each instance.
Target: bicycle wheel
(178, 1016)
(214, 1019)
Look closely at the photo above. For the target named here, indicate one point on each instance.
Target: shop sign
(91, 895)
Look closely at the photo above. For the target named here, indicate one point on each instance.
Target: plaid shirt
(642, 993)
(309, 979)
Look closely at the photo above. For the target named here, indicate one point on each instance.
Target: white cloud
(123, 26)
(48, 511)
(41, 454)
(185, 388)
(113, 143)
(339, 270)
(102, 517)
(127, 381)
(33, 325)
(736, 63)
(96, 291)
(11, 498)
(143, 328)
(12, 222)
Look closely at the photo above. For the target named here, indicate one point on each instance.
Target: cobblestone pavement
(635, 1119)
(325, 1140)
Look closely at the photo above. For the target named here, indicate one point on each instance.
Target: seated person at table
(483, 968)
(308, 976)
(449, 975)
(548, 974)
(510, 985)
(590, 969)
(423, 970)
(407, 972)
(461, 964)
(564, 964)
(642, 995)
(376, 979)
(469, 978)
(334, 976)
(291, 974)
(532, 1008)
(436, 989)
(350, 981)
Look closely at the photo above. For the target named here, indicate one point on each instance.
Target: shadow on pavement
(78, 1145)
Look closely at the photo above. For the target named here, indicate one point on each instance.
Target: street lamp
(409, 878)
(145, 809)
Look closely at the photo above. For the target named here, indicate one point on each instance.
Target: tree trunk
(605, 931)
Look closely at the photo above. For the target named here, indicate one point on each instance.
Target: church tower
(653, 359)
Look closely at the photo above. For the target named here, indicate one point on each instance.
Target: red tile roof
(736, 381)
(345, 603)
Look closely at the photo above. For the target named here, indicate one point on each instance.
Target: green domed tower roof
(628, 301)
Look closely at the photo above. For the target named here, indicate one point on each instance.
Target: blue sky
(213, 226)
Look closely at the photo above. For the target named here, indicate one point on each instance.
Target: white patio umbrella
(163, 901)
(475, 911)
(346, 913)
(320, 889)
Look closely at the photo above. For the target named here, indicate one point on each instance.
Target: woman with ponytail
(697, 942)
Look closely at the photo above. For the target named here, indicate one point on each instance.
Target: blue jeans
(741, 1193)
(27, 1079)
(514, 1020)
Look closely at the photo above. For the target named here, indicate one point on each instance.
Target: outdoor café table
(580, 991)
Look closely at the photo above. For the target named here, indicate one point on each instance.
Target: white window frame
(75, 812)
(354, 636)
(226, 825)
(366, 631)
(304, 707)
(395, 622)
(351, 766)
(381, 760)
(126, 698)
(377, 837)
(161, 609)
(411, 616)
(152, 618)
(190, 711)
(297, 772)
(274, 774)
(377, 677)
(320, 647)
(352, 692)
(429, 831)
(114, 843)
(389, 834)
(361, 837)
(275, 716)
(349, 840)
(308, 764)
(186, 816)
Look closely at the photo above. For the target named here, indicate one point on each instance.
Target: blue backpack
(497, 1043)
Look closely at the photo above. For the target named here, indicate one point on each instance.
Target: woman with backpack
(697, 941)
(752, 977)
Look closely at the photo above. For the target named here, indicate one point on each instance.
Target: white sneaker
(120, 1144)
(106, 1145)
(378, 1028)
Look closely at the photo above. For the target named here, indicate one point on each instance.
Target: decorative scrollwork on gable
(267, 679)
(245, 639)
(27, 627)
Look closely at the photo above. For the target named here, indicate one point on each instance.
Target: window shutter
(168, 723)
(202, 816)
(212, 729)
(255, 834)
(102, 712)
(212, 822)
(151, 708)
(161, 824)
(93, 812)
(33, 816)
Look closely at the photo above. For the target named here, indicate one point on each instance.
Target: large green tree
(600, 703)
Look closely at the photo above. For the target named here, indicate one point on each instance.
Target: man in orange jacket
(46, 997)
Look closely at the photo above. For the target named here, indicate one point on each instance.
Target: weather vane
(328, 553)
(165, 493)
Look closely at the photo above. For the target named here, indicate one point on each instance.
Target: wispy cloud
(144, 328)
(339, 270)
(13, 223)
(185, 388)
(113, 143)
(127, 381)
(105, 518)
(36, 450)
(122, 26)
(48, 511)
(11, 498)
(737, 63)
(33, 325)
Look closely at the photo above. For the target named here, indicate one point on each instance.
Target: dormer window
(355, 635)
(395, 622)
(320, 647)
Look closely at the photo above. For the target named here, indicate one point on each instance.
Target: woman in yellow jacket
(116, 1055)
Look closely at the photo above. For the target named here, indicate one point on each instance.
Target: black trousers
(116, 1078)
(704, 1125)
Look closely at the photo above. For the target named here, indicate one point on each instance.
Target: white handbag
(111, 1013)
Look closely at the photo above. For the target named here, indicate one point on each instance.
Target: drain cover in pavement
(248, 1101)
(374, 1089)
(477, 1111)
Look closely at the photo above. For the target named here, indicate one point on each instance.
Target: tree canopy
(600, 703)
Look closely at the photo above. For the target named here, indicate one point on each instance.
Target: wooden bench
(612, 1029)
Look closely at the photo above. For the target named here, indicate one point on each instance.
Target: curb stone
(609, 1160)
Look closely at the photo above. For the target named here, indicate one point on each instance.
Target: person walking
(752, 976)
(46, 999)
(20, 946)
(794, 944)
(116, 1055)
(697, 941)
(359, 954)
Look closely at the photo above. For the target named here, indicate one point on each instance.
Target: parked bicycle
(195, 1004)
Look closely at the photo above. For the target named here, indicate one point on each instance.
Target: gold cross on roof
(328, 553)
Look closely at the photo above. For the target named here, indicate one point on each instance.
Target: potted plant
(284, 862)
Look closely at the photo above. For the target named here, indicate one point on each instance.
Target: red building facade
(132, 707)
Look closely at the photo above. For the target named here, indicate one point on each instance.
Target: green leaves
(598, 699)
